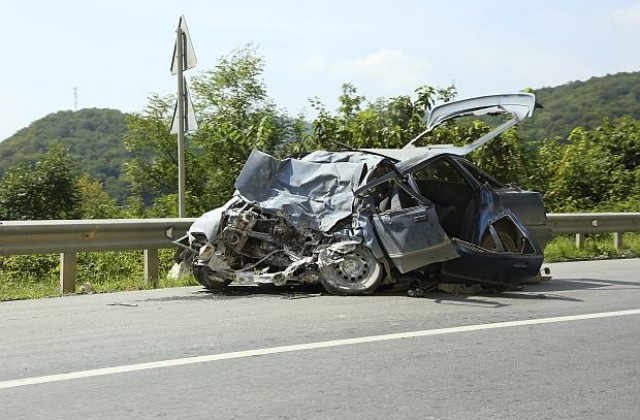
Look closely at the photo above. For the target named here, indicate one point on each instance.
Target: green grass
(600, 246)
(37, 276)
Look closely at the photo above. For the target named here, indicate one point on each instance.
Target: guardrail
(583, 223)
(68, 237)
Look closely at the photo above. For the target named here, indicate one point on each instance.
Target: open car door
(408, 229)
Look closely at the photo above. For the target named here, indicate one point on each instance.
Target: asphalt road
(564, 349)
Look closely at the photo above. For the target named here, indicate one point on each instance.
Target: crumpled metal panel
(305, 192)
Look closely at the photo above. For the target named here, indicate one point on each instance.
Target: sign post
(183, 59)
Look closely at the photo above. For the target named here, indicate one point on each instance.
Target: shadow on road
(246, 292)
(543, 290)
(560, 285)
(482, 299)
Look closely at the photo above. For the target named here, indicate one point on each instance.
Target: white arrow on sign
(190, 123)
(188, 53)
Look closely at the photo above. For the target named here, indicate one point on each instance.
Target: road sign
(190, 123)
(184, 58)
(188, 53)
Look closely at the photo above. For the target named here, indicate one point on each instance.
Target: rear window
(481, 176)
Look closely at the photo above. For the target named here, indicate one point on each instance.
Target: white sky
(118, 52)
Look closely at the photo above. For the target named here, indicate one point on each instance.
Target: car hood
(316, 191)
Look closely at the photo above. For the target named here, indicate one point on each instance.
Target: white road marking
(302, 347)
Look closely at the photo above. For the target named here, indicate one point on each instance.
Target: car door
(409, 231)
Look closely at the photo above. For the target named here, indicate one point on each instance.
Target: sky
(74, 54)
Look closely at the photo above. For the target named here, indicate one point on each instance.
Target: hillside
(583, 104)
(93, 136)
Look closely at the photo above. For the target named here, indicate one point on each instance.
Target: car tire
(356, 273)
(206, 278)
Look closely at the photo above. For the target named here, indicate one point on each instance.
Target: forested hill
(583, 104)
(93, 137)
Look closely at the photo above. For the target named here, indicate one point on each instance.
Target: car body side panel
(527, 205)
(529, 208)
(499, 266)
(478, 265)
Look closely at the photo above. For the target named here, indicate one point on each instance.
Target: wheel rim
(507, 242)
(356, 271)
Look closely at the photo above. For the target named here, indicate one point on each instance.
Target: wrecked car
(355, 221)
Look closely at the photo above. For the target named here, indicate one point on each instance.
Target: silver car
(354, 221)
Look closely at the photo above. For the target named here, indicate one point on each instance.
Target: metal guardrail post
(68, 272)
(617, 240)
(151, 271)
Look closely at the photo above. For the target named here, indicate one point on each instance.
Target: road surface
(564, 349)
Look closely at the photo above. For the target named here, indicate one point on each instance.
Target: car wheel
(508, 243)
(206, 278)
(356, 273)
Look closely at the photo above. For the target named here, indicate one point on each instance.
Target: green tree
(385, 123)
(95, 202)
(579, 175)
(235, 116)
(509, 158)
(92, 137)
(594, 169)
(152, 168)
(620, 139)
(41, 191)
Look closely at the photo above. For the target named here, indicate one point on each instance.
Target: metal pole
(181, 111)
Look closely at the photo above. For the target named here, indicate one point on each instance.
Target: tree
(509, 158)
(594, 169)
(235, 116)
(392, 123)
(45, 190)
(95, 202)
(383, 123)
(93, 137)
(152, 169)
